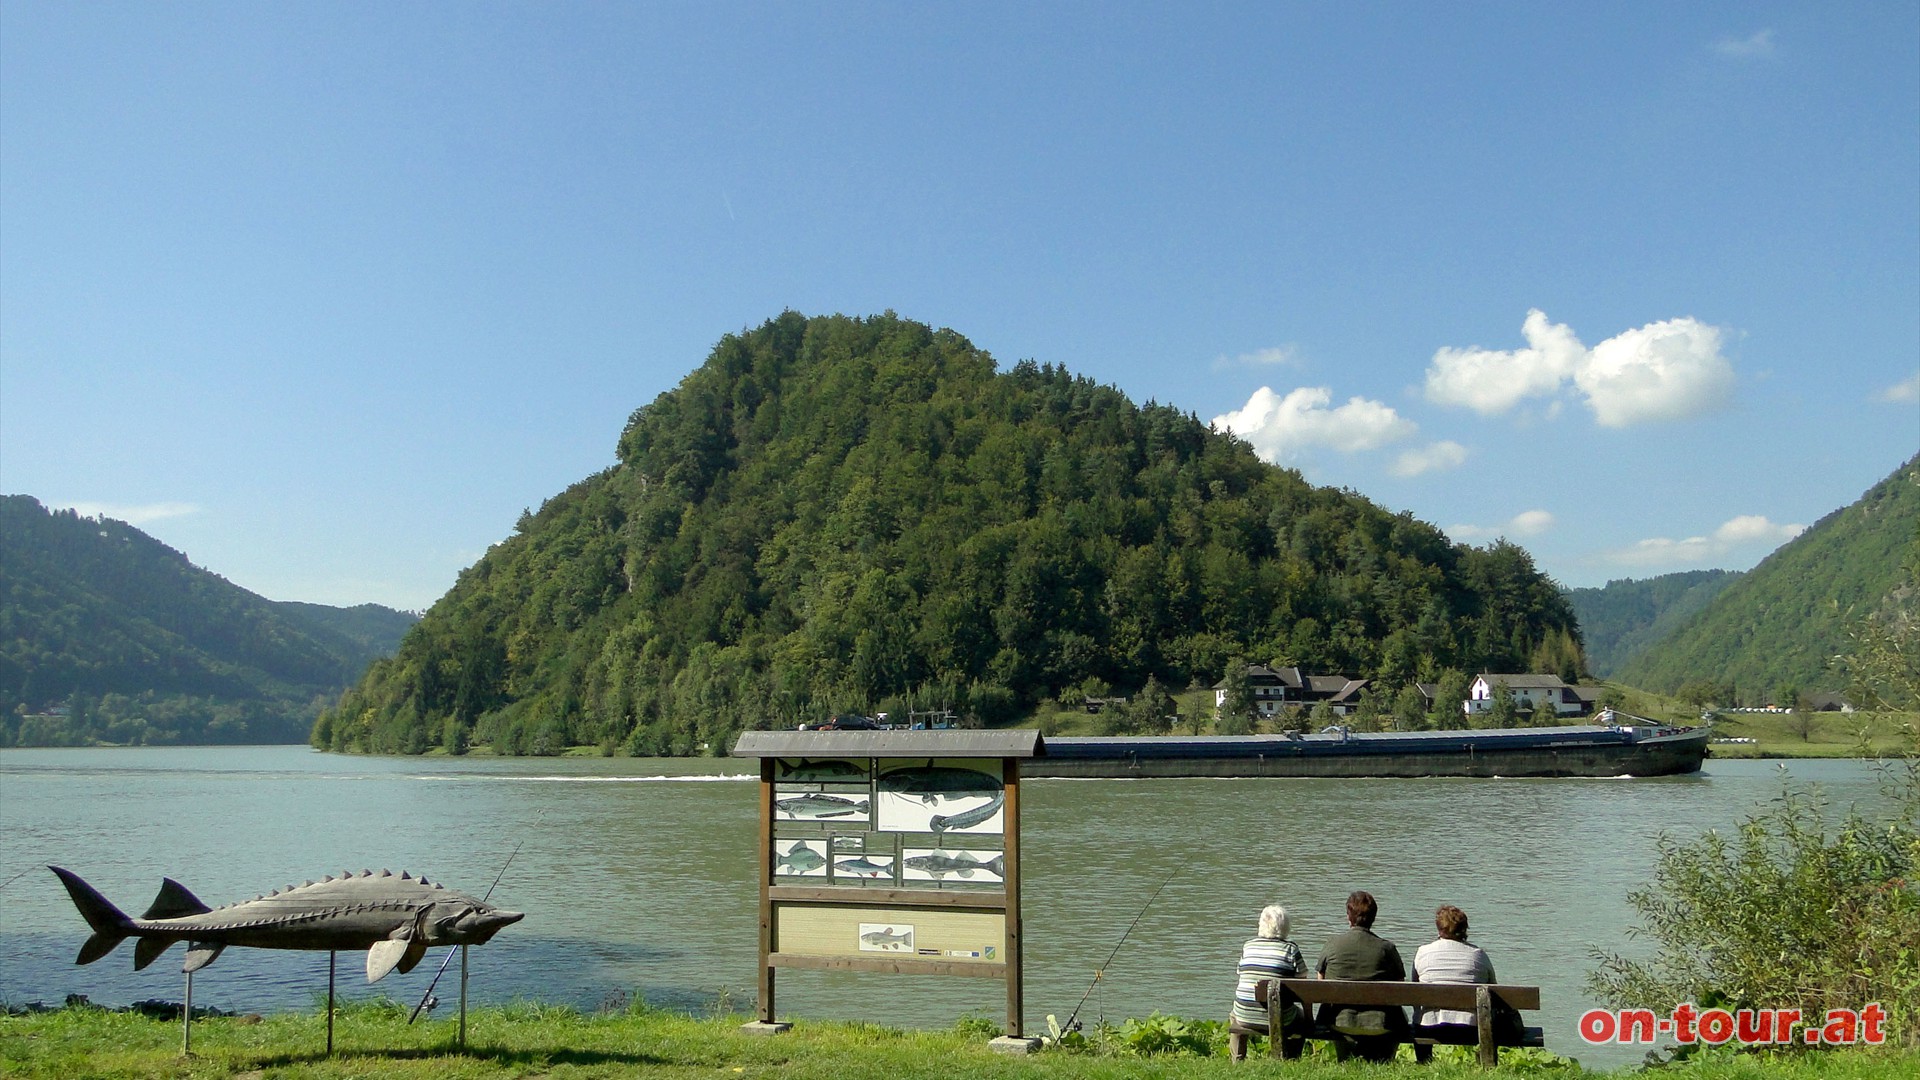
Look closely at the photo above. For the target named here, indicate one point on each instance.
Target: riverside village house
(1531, 693)
(1276, 687)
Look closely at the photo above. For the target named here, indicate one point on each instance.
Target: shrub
(1786, 912)
(1161, 1034)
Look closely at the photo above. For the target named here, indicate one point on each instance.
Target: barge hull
(1560, 752)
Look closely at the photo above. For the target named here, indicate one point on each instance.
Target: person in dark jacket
(1370, 1032)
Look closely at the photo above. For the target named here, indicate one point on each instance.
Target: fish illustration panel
(875, 937)
(842, 808)
(940, 796)
(821, 770)
(950, 866)
(863, 869)
(800, 858)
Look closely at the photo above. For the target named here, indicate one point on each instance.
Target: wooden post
(1277, 1020)
(463, 997)
(1483, 1016)
(764, 996)
(333, 958)
(186, 1021)
(1016, 1004)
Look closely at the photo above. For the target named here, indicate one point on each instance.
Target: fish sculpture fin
(95, 947)
(174, 901)
(416, 951)
(110, 925)
(200, 954)
(384, 957)
(147, 950)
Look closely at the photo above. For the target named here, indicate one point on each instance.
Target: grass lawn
(373, 1040)
(1814, 735)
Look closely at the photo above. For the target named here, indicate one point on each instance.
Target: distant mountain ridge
(108, 635)
(1783, 622)
(1626, 617)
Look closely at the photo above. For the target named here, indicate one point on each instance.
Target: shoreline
(1723, 751)
(529, 1038)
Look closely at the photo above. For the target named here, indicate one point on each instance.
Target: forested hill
(1627, 617)
(838, 513)
(1781, 624)
(108, 635)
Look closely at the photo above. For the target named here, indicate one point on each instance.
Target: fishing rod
(428, 996)
(1102, 969)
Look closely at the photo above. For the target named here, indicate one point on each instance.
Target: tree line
(866, 514)
(109, 636)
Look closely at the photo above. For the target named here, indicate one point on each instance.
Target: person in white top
(1450, 958)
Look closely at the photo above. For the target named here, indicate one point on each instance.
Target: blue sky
(324, 295)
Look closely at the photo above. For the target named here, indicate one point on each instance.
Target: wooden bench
(1476, 998)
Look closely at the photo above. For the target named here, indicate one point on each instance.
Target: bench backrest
(1427, 995)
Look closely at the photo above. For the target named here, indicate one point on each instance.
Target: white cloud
(1757, 44)
(1278, 354)
(1525, 523)
(1492, 381)
(1667, 370)
(1663, 371)
(1747, 530)
(133, 515)
(1280, 427)
(1273, 356)
(1531, 523)
(1904, 392)
(1442, 456)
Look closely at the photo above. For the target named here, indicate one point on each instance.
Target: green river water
(638, 876)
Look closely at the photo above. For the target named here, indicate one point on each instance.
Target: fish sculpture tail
(110, 924)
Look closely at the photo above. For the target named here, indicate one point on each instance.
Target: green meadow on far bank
(1814, 735)
(527, 1040)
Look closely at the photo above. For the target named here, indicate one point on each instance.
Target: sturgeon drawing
(932, 783)
(396, 919)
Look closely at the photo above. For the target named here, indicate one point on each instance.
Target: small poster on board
(938, 864)
(889, 938)
(863, 867)
(801, 858)
(820, 770)
(851, 807)
(953, 796)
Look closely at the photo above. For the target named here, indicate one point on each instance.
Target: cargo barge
(1642, 748)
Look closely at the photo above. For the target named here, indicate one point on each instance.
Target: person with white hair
(1268, 955)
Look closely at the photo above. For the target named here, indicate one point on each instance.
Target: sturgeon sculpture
(395, 918)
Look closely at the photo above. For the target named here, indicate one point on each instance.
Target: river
(637, 876)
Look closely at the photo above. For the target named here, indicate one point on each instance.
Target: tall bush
(1790, 911)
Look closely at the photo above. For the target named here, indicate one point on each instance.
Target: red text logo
(1691, 1024)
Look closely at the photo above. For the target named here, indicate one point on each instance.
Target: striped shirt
(1262, 958)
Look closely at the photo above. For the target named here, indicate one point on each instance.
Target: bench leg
(1483, 1016)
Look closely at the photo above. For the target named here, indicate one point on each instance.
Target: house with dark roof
(1275, 688)
(1532, 693)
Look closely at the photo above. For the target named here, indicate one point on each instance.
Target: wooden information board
(891, 851)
